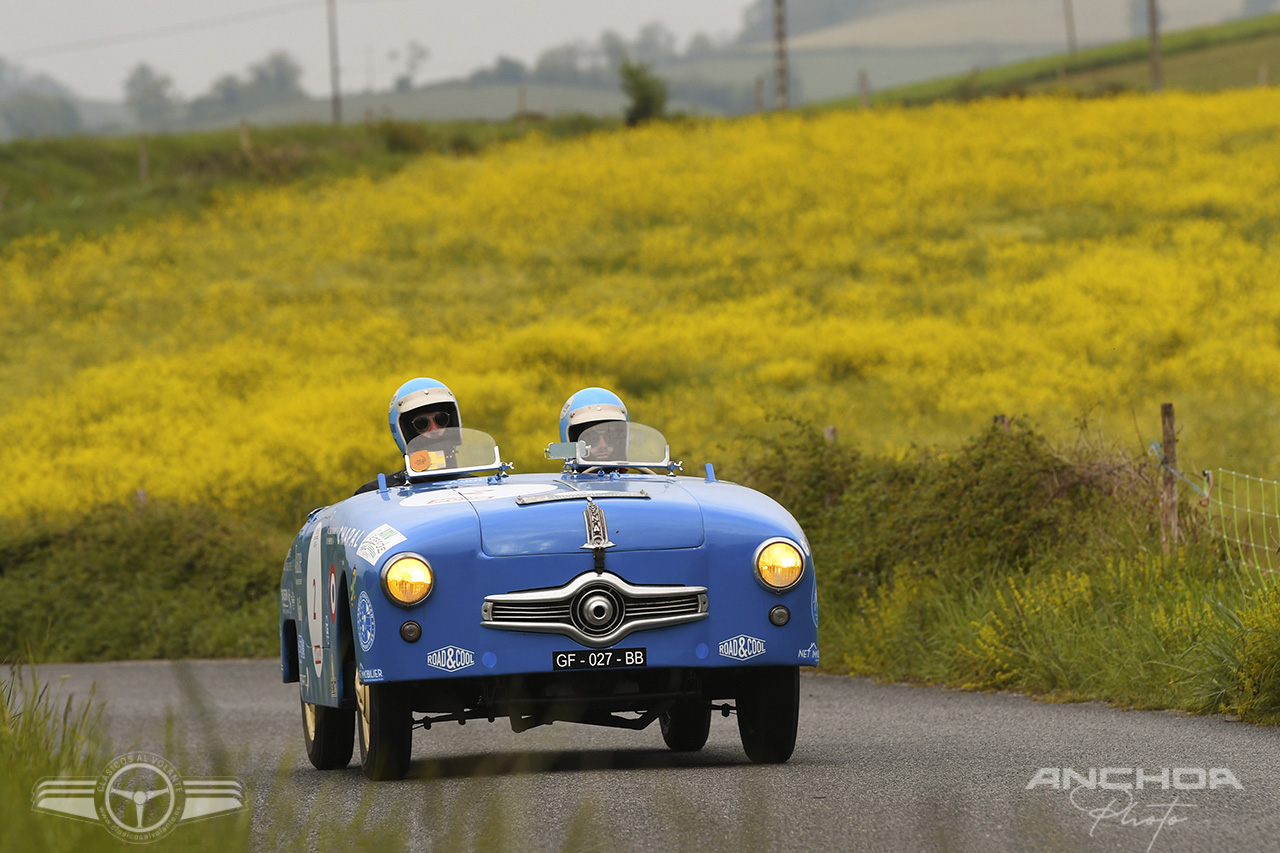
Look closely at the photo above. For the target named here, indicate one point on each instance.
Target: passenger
(592, 407)
(420, 412)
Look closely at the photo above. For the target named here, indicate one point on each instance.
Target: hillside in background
(832, 43)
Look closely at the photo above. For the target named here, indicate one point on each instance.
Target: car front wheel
(686, 724)
(329, 734)
(769, 712)
(385, 722)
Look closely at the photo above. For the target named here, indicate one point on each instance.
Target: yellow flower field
(901, 274)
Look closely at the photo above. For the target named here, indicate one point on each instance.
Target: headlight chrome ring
(407, 579)
(779, 564)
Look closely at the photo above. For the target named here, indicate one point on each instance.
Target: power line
(156, 32)
(169, 30)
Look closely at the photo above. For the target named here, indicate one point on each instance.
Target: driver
(591, 407)
(420, 412)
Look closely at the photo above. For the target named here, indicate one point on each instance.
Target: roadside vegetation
(1010, 564)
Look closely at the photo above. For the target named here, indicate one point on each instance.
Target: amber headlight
(779, 564)
(407, 580)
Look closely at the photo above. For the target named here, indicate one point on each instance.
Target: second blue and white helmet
(589, 406)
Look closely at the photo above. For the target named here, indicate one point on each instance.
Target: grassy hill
(91, 185)
(1202, 59)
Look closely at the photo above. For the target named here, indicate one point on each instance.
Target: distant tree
(1255, 8)
(699, 46)
(559, 64)
(276, 79)
(226, 90)
(508, 70)
(614, 48)
(655, 44)
(34, 114)
(648, 93)
(505, 70)
(415, 54)
(150, 95)
(13, 80)
(10, 78)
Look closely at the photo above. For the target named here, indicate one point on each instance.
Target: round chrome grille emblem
(598, 610)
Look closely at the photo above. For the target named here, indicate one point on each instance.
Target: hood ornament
(597, 533)
(597, 527)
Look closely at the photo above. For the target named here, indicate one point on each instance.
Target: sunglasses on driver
(422, 423)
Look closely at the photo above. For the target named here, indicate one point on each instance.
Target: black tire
(385, 724)
(686, 724)
(329, 734)
(769, 712)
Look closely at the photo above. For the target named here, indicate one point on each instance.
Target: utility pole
(333, 61)
(780, 54)
(1071, 28)
(1153, 24)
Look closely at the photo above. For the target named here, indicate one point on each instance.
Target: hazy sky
(91, 45)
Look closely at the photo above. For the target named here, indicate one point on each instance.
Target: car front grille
(595, 609)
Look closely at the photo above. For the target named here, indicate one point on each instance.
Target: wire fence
(1245, 512)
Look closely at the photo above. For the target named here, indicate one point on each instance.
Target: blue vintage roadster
(614, 593)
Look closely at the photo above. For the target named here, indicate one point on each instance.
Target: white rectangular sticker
(378, 542)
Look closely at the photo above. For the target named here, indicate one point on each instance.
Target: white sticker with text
(378, 542)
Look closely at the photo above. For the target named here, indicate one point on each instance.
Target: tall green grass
(42, 738)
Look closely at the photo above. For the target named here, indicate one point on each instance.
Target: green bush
(155, 581)
(402, 137)
(1004, 501)
(647, 91)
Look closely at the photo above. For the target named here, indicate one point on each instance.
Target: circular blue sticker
(365, 626)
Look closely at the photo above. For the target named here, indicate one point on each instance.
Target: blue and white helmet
(589, 406)
(411, 399)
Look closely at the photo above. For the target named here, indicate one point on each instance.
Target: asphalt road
(876, 767)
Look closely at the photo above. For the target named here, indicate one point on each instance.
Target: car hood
(550, 517)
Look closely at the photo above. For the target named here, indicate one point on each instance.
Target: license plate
(605, 659)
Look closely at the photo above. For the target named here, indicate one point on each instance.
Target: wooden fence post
(864, 88)
(246, 146)
(144, 168)
(1169, 482)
